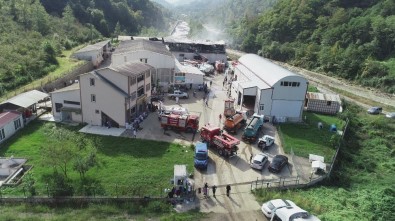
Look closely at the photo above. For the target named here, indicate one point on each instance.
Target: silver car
(270, 206)
(259, 161)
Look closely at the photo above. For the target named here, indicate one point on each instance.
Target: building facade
(66, 104)
(10, 122)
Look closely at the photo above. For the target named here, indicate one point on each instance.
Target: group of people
(214, 189)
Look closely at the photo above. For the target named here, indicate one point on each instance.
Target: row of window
(290, 84)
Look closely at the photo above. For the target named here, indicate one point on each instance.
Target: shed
(66, 103)
(95, 53)
(180, 175)
(185, 74)
(10, 122)
(322, 103)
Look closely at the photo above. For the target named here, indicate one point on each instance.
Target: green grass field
(306, 138)
(127, 167)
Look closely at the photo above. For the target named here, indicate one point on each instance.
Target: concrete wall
(108, 100)
(154, 59)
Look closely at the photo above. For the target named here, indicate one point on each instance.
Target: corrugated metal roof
(180, 68)
(130, 68)
(324, 97)
(265, 69)
(7, 117)
(27, 99)
(75, 86)
(93, 47)
(172, 39)
(142, 44)
(253, 80)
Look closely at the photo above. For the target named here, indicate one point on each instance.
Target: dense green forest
(33, 33)
(354, 40)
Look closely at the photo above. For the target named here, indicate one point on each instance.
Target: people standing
(214, 189)
(206, 102)
(177, 100)
(205, 190)
(228, 190)
(220, 117)
(251, 157)
(211, 83)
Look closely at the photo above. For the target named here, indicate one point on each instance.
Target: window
(17, 124)
(97, 111)
(148, 87)
(71, 102)
(298, 84)
(140, 91)
(286, 83)
(133, 96)
(262, 107)
(58, 106)
(92, 81)
(282, 83)
(144, 60)
(329, 103)
(93, 98)
(2, 135)
(133, 80)
(294, 84)
(140, 78)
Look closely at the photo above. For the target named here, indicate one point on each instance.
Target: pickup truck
(179, 94)
(265, 142)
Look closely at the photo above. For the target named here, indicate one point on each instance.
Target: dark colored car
(277, 164)
(375, 110)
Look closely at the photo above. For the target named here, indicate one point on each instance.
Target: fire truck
(225, 144)
(186, 122)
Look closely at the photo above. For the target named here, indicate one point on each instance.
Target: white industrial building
(153, 53)
(95, 53)
(268, 89)
(185, 74)
(66, 103)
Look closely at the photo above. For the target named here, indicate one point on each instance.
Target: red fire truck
(226, 144)
(186, 122)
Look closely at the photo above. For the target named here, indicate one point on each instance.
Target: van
(201, 155)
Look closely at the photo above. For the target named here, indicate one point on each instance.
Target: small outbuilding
(10, 122)
(66, 103)
(185, 74)
(323, 103)
(95, 53)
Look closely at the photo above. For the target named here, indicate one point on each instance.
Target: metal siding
(250, 91)
(286, 108)
(290, 93)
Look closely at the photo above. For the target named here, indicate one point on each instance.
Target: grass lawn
(127, 167)
(306, 138)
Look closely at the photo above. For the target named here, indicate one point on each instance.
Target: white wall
(266, 100)
(120, 80)
(60, 97)
(290, 93)
(193, 79)
(154, 59)
(9, 129)
(108, 100)
(96, 56)
(286, 108)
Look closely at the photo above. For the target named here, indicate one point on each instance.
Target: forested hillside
(354, 40)
(33, 33)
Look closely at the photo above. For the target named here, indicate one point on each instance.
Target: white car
(259, 161)
(390, 115)
(179, 94)
(270, 206)
(265, 141)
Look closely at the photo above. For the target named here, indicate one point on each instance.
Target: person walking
(206, 102)
(220, 118)
(205, 190)
(214, 189)
(251, 157)
(228, 190)
(211, 83)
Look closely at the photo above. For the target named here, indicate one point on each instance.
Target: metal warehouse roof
(7, 117)
(27, 99)
(129, 68)
(94, 47)
(142, 44)
(265, 70)
(75, 86)
(253, 80)
(180, 68)
(323, 97)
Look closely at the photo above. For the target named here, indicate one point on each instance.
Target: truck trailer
(254, 127)
(225, 144)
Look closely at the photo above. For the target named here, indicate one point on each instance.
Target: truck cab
(201, 155)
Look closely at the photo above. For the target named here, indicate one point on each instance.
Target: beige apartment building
(113, 95)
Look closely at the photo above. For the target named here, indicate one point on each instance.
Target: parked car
(292, 213)
(375, 110)
(277, 164)
(265, 142)
(259, 161)
(390, 115)
(269, 207)
(178, 93)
